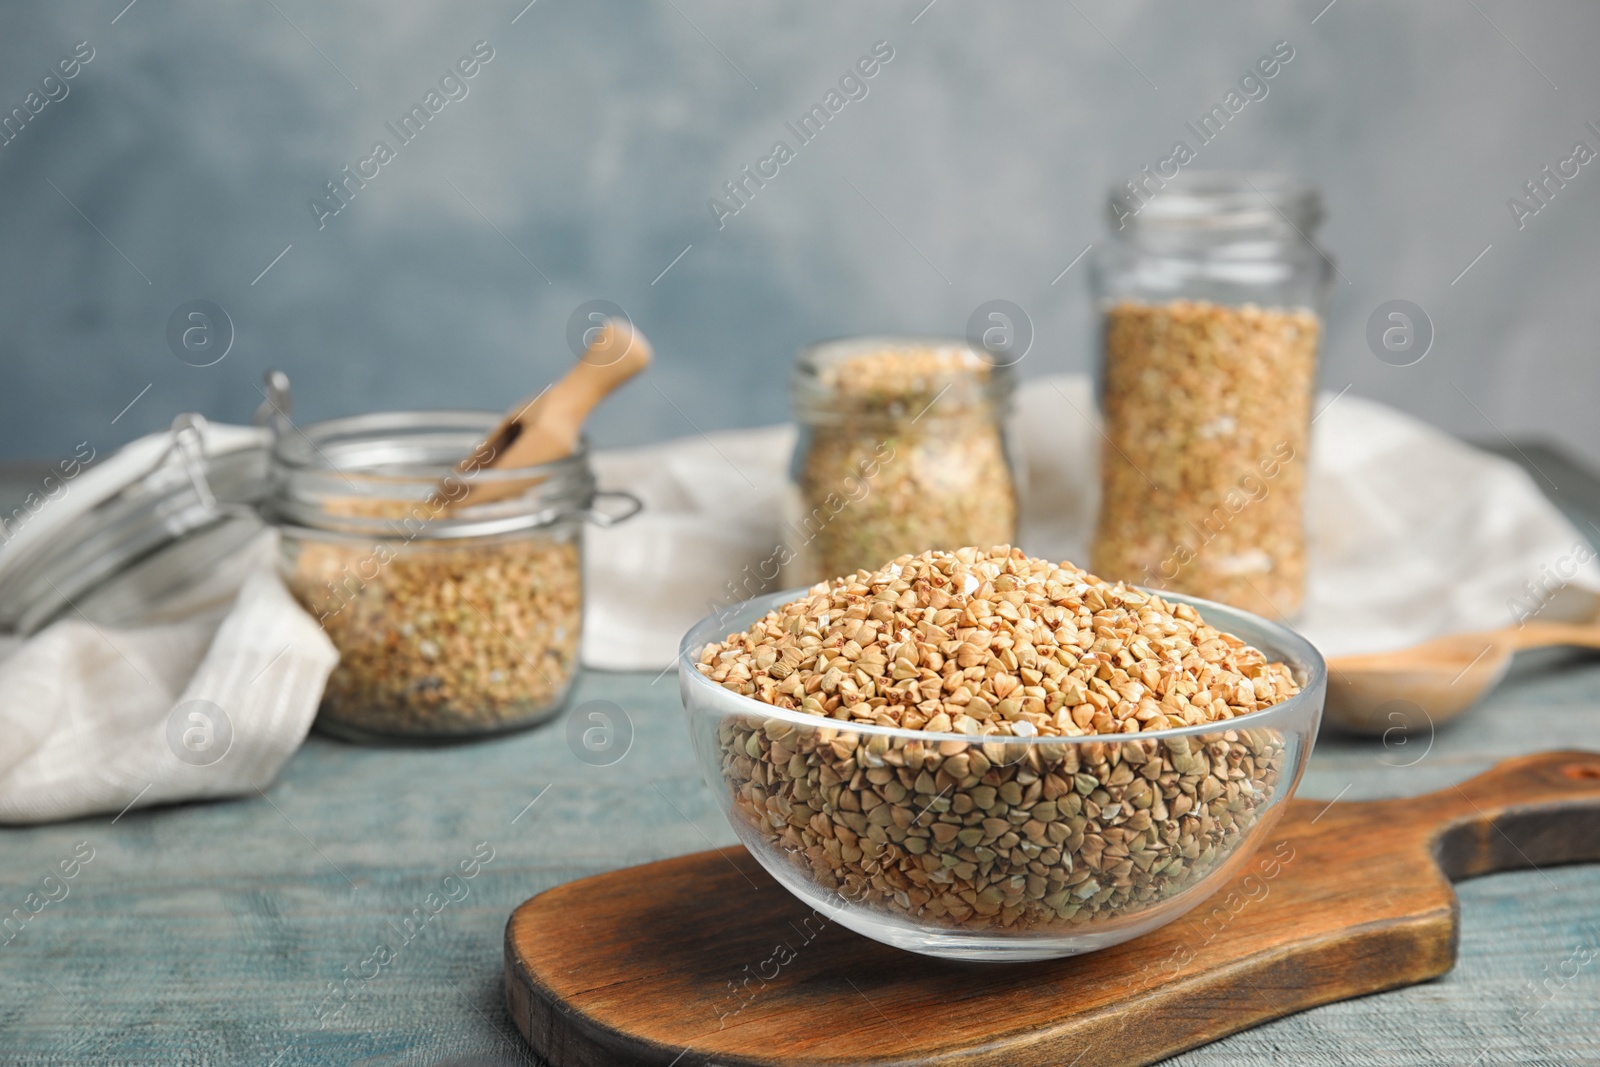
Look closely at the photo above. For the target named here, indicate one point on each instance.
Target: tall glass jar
(902, 449)
(1211, 291)
(454, 614)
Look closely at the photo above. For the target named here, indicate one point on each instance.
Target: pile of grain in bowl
(992, 645)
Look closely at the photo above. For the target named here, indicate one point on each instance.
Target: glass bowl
(1001, 848)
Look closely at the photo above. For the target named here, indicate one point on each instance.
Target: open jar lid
(142, 530)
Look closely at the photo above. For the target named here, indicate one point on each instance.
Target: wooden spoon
(1434, 682)
(545, 427)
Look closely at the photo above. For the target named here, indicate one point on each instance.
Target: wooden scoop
(545, 427)
(1434, 682)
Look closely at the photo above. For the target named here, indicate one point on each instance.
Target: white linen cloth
(207, 697)
(1412, 533)
(97, 720)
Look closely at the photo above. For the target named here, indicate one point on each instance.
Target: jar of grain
(452, 617)
(902, 448)
(1211, 291)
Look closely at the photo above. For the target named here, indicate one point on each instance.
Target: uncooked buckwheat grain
(1207, 415)
(986, 830)
(444, 639)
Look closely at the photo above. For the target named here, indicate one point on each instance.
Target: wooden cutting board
(704, 959)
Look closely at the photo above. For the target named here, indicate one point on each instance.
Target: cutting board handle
(1534, 811)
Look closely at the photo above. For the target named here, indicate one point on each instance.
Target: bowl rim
(1291, 644)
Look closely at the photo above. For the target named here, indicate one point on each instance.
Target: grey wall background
(580, 164)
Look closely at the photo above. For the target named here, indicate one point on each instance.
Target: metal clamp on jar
(156, 534)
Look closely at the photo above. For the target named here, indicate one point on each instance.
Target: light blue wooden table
(224, 933)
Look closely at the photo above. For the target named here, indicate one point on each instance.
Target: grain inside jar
(1211, 286)
(903, 450)
(444, 640)
(1207, 416)
(454, 597)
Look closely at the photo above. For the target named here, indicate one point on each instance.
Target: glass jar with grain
(1211, 293)
(454, 614)
(902, 448)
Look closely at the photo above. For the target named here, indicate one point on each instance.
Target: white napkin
(98, 720)
(1412, 534)
(206, 694)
